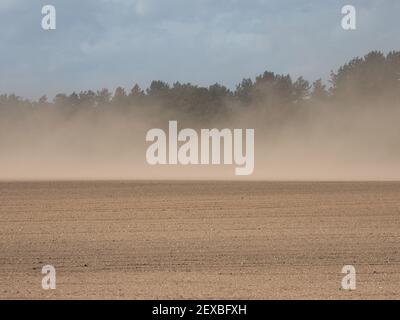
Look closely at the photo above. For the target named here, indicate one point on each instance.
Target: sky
(109, 43)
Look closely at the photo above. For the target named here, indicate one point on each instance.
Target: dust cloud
(303, 131)
(319, 143)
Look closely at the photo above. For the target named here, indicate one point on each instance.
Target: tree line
(374, 78)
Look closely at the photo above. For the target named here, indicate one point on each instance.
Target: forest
(370, 80)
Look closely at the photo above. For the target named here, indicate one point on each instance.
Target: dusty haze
(324, 144)
(348, 131)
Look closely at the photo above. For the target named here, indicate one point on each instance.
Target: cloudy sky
(110, 43)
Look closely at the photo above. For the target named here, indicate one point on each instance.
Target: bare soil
(200, 240)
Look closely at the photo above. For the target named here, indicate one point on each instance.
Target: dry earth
(192, 240)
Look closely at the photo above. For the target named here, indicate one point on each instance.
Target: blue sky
(110, 43)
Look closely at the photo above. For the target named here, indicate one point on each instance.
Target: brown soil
(200, 240)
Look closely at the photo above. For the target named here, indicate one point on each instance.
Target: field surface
(200, 240)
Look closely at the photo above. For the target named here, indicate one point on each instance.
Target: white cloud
(199, 41)
(141, 7)
(8, 4)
